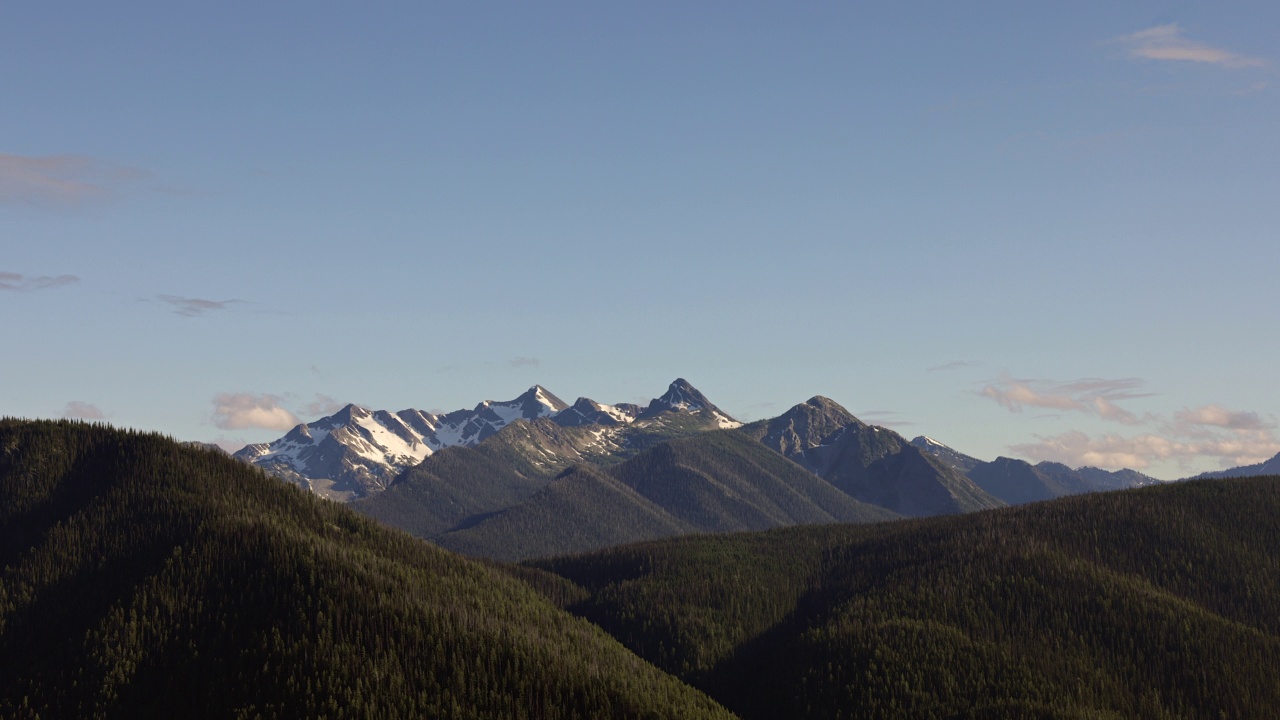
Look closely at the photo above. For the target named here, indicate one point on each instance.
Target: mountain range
(357, 452)
(535, 476)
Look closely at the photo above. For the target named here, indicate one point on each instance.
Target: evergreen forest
(143, 578)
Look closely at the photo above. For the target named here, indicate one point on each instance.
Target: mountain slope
(586, 508)
(873, 465)
(141, 578)
(712, 482)
(1017, 481)
(1268, 467)
(948, 455)
(1162, 602)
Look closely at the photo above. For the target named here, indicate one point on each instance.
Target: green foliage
(1155, 603)
(140, 578)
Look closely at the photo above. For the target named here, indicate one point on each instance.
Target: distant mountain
(710, 482)
(871, 464)
(141, 578)
(1269, 467)
(1103, 480)
(357, 452)
(1017, 481)
(948, 455)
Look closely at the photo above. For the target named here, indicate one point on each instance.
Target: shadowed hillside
(717, 481)
(1155, 603)
(144, 579)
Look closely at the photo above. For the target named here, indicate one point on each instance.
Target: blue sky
(1041, 232)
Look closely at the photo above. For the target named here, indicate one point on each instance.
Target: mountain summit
(357, 452)
(871, 464)
(684, 397)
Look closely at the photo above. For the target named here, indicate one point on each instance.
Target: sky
(1040, 232)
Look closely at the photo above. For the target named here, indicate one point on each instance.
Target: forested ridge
(142, 578)
(1155, 603)
(145, 579)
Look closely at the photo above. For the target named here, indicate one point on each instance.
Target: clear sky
(1042, 232)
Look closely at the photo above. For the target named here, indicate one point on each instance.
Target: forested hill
(139, 578)
(1162, 602)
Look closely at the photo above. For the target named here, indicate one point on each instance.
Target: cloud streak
(237, 411)
(1091, 396)
(194, 307)
(17, 282)
(59, 180)
(1166, 43)
(953, 365)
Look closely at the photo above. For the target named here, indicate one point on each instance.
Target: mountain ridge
(357, 452)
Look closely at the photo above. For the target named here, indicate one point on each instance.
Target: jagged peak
(539, 395)
(819, 406)
(683, 395)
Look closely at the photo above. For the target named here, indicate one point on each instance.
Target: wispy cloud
(237, 411)
(22, 283)
(64, 180)
(193, 307)
(322, 405)
(1092, 396)
(519, 362)
(953, 365)
(1218, 416)
(78, 409)
(1166, 42)
(883, 418)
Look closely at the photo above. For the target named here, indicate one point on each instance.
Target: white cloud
(522, 361)
(237, 411)
(1165, 42)
(83, 411)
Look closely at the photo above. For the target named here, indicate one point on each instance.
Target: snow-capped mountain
(683, 397)
(357, 452)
